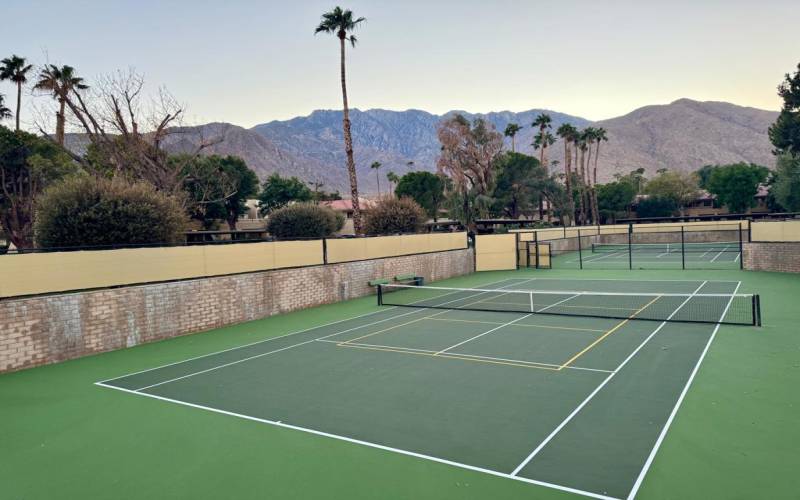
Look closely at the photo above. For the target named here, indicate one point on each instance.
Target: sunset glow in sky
(252, 61)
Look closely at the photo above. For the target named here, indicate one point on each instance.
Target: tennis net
(709, 247)
(737, 309)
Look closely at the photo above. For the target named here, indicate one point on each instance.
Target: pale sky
(252, 61)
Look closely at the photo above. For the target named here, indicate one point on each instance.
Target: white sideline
(367, 443)
(599, 387)
(671, 417)
(278, 337)
(225, 365)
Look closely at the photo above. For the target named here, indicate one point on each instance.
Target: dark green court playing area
(572, 392)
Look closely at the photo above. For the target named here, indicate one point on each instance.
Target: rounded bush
(394, 215)
(87, 211)
(304, 220)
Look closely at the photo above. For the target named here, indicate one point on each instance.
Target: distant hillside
(682, 135)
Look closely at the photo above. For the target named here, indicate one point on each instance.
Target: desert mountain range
(683, 135)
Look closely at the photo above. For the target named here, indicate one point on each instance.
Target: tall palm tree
(542, 122)
(541, 141)
(14, 69)
(568, 134)
(376, 166)
(341, 23)
(60, 82)
(4, 111)
(511, 131)
(581, 146)
(599, 136)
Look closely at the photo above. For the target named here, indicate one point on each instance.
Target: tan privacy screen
(36, 273)
(351, 249)
(787, 230)
(495, 252)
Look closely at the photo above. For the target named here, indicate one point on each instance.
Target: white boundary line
(282, 336)
(365, 443)
(599, 387)
(631, 281)
(671, 417)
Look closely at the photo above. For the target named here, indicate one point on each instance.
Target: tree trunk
(582, 189)
(378, 180)
(60, 119)
(568, 181)
(18, 228)
(513, 145)
(594, 189)
(348, 145)
(232, 218)
(19, 101)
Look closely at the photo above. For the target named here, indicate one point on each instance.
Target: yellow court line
(600, 339)
(451, 356)
(518, 324)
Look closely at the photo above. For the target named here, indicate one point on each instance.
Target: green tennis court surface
(571, 403)
(360, 422)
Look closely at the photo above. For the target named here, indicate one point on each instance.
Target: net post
(630, 246)
(380, 295)
(531, 296)
(756, 310)
(683, 248)
(580, 250)
(536, 246)
(741, 252)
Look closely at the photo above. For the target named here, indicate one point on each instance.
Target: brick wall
(768, 256)
(47, 329)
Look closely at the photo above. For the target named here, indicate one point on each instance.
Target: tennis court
(709, 255)
(565, 383)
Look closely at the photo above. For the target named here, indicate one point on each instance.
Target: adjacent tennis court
(710, 255)
(569, 384)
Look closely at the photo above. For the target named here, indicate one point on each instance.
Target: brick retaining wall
(47, 329)
(769, 256)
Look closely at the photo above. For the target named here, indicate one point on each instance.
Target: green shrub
(304, 220)
(86, 211)
(394, 215)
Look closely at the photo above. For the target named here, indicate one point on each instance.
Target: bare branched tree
(128, 132)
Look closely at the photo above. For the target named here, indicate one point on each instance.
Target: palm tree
(60, 82)
(4, 111)
(580, 145)
(14, 69)
(599, 136)
(376, 166)
(392, 178)
(542, 122)
(341, 23)
(541, 141)
(510, 131)
(568, 133)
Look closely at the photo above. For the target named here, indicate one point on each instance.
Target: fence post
(741, 245)
(536, 243)
(324, 250)
(683, 249)
(630, 246)
(580, 250)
